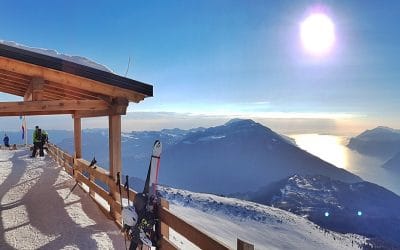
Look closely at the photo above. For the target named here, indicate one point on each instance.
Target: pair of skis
(139, 219)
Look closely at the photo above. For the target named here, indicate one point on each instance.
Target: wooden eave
(64, 79)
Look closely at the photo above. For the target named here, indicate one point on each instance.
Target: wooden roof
(43, 79)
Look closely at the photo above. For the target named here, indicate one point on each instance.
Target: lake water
(333, 149)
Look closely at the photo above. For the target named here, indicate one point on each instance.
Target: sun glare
(317, 34)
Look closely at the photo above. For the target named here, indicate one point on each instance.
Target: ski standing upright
(139, 220)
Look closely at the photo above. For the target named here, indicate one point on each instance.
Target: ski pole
(120, 196)
(126, 186)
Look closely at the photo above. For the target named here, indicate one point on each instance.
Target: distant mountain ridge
(362, 208)
(238, 156)
(382, 142)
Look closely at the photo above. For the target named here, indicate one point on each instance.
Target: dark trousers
(36, 146)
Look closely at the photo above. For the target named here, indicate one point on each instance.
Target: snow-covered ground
(39, 211)
(266, 227)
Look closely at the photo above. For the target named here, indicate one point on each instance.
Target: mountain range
(239, 156)
(381, 142)
(362, 208)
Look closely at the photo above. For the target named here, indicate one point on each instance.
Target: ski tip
(157, 148)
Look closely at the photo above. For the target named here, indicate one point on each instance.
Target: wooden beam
(114, 140)
(16, 76)
(87, 114)
(9, 87)
(14, 81)
(66, 112)
(77, 138)
(34, 91)
(81, 92)
(53, 106)
(47, 74)
(11, 91)
(242, 245)
(118, 107)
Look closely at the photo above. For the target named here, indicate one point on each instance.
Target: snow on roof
(53, 53)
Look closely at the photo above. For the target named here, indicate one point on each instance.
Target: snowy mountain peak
(240, 121)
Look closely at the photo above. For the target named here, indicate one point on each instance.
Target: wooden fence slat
(193, 234)
(98, 172)
(242, 245)
(101, 192)
(166, 244)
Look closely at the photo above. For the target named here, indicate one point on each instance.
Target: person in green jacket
(37, 142)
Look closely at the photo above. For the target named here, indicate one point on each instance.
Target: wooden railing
(83, 174)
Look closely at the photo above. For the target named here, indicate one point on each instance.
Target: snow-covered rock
(363, 208)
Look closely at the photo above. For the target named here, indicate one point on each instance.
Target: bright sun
(317, 34)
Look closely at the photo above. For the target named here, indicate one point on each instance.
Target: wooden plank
(28, 113)
(62, 95)
(69, 159)
(242, 245)
(11, 91)
(66, 92)
(76, 91)
(14, 82)
(94, 187)
(12, 86)
(164, 227)
(15, 76)
(193, 234)
(98, 172)
(82, 82)
(166, 244)
(77, 138)
(57, 106)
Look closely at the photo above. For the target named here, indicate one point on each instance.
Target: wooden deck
(38, 209)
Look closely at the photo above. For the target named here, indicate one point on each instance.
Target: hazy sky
(213, 60)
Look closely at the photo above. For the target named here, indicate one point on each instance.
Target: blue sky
(213, 60)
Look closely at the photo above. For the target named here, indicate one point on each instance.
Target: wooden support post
(114, 141)
(77, 138)
(164, 227)
(242, 245)
(77, 144)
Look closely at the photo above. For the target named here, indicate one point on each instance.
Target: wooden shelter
(50, 85)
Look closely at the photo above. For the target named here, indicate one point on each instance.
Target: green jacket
(35, 136)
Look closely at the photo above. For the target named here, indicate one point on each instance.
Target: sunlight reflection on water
(333, 149)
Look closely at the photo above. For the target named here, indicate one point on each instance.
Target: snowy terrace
(38, 209)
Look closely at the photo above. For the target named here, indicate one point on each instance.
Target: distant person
(6, 141)
(37, 142)
(44, 140)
